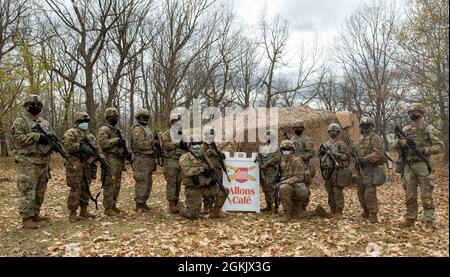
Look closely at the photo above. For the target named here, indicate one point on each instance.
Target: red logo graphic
(241, 175)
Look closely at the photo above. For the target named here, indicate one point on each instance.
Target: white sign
(244, 185)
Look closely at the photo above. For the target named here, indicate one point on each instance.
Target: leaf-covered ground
(240, 234)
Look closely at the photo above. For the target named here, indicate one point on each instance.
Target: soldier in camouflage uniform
(304, 147)
(172, 171)
(370, 156)
(33, 158)
(144, 163)
(80, 167)
(334, 189)
(113, 145)
(294, 192)
(197, 183)
(415, 172)
(268, 165)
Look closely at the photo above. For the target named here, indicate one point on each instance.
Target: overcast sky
(307, 18)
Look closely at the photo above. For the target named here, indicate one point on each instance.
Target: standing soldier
(172, 171)
(334, 157)
(144, 164)
(268, 164)
(416, 172)
(370, 157)
(198, 179)
(114, 147)
(304, 147)
(294, 192)
(33, 158)
(80, 167)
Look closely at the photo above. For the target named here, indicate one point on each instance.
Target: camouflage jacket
(269, 161)
(141, 140)
(71, 142)
(25, 140)
(293, 170)
(371, 149)
(426, 138)
(340, 152)
(212, 156)
(170, 148)
(108, 139)
(304, 147)
(192, 166)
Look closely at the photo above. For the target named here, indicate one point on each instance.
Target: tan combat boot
(146, 207)
(73, 217)
(140, 208)
(117, 210)
(29, 223)
(320, 211)
(40, 218)
(430, 225)
(110, 212)
(173, 207)
(217, 213)
(365, 215)
(407, 223)
(84, 213)
(268, 207)
(287, 215)
(373, 218)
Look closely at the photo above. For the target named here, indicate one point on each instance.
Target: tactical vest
(80, 136)
(299, 142)
(290, 170)
(334, 146)
(148, 135)
(419, 135)
(175, 153)
(116, 150)
(33, 149)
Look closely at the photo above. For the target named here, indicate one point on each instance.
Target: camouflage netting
(316, 124)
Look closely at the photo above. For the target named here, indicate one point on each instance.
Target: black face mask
(365, 128)
(298, 132)
(334, 135)
(415, 117)
(34, 109)
(113, 120)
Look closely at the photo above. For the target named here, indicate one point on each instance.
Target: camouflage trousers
(143, 166)
(112, 182)
(78, 176)
(31, 184)
(412, 178)
(268, 185)
(293, 198)
(335, 195)
(172, 174)
(208, 200)
(367, 192)
(194, 197)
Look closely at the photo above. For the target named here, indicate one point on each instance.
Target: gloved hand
(195, 180)
(183, 145)
(128, 156)
(43, 140)
(121, 142)
(206, 173)
(86, 150)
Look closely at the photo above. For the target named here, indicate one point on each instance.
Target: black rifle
(158, 150)
(52, 139)
(413, 146)
(277, 182)
(221, 157)
(125, 154)
(325, 150)
(89, 149)
(212, 173)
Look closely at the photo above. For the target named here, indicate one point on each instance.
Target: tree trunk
(3, 144)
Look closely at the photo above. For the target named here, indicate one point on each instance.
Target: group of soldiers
(198, 165)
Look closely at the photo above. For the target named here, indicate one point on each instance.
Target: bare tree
(367, 51)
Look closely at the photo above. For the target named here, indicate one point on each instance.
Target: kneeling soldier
(293, 191)
(200, 180)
